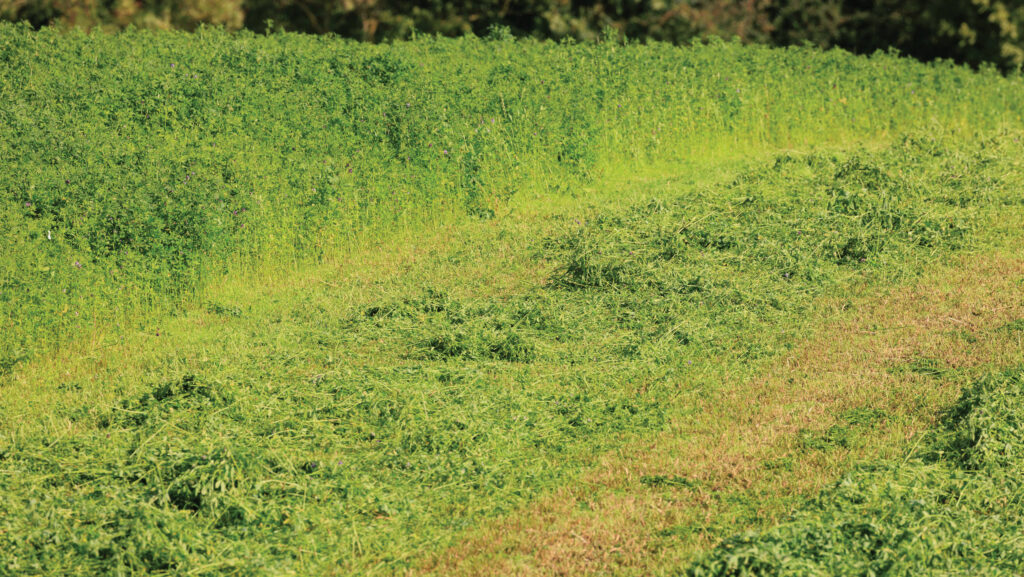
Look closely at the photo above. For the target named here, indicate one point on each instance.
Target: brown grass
(610, 522)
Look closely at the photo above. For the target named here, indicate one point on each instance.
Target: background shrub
(972, 31)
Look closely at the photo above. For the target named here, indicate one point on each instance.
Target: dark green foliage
(971, 31)
(953, 508)
(863, 416)
(668, 481)
(977, 32)
(1013, 326)
(497, 344)
(835, 437)
(922, 366)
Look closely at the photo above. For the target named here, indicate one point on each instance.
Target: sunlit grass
(290, 304)
(141, 167)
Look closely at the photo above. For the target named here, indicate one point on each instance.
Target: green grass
(143, 166)
(952, 507)
(187, 390)
(339, 427)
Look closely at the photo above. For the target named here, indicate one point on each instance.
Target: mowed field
(288, 305)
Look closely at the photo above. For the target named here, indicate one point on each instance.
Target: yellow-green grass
(141, 167)
(594, 335)
(487, 381)
(874, 377)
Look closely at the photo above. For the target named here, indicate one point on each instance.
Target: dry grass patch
(865, 386)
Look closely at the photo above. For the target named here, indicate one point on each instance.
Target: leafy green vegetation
(209, 365)
(974, 32)
(352, 434)
(952, 507)
(140, 167)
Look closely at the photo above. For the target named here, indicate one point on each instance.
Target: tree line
(968, 31)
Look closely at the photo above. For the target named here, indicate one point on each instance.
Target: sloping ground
(866, 386)
(139, 168)
(358, 420)
(952, 508)
(876, 374)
